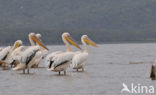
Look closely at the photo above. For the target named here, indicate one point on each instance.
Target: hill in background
(102, 20)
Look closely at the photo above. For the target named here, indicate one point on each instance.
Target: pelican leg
(23, 71)
(64, 72)
(11, 65)
(59, 73)
(28, 70)
(36, 65)
(82, 69)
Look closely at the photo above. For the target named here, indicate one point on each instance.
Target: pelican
(14, 60)
(43, 52)
(80, 59)
(29, 56)
(32, 38)
(5, 54)
(59, 61)
(17, 52)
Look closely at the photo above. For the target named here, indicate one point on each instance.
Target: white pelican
(17, 52)
(80, 59)
(59, 61)
(43, 52)
(14, 60)
(5, 54)
(29, 56)
(36, 37)
(32, 37)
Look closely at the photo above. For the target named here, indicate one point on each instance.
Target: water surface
(109, 66)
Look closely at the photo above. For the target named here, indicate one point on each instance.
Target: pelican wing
(17, 51)
(79, 59)
(29, 58)
(4, 53)
(15, 55)
(35, 58)
(62, 58)
(29, 53)
(49, 58)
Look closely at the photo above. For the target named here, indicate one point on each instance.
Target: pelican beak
(39, 42)
(70, 39)
(17, 45)
(89, 41)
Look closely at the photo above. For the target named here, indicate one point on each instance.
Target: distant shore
(121, 42)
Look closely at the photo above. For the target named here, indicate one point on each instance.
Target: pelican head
(18, 43)
(31, 35)
(87, 40)
(68, 38)
(38, 36)
(34, 38)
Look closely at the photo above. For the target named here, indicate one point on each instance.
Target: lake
(109, 66)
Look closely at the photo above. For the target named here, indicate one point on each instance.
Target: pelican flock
(5, 53)
(31, 55)
(18, 57)
(59, 61)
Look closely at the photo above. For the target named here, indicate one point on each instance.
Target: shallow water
(109, 66)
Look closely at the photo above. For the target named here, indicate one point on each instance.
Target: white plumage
(15, 54)
(27, 58)
(31, 56)
(43, 51)
(61, 61)
(17, 51)
(50, 57)
(79, 60)
(28, 52)
(4, 53)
